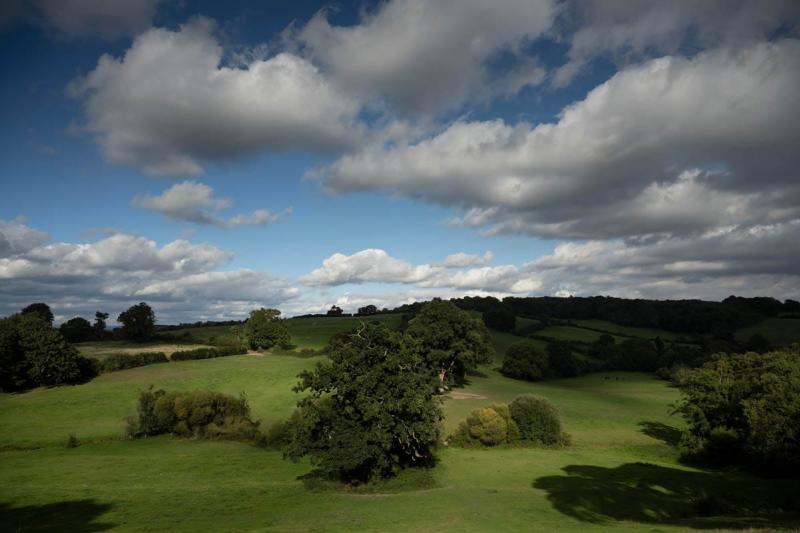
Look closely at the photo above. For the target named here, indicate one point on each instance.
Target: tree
(562, 360)
(367, 310)
(372, 408)
(265, 329)
(100, 324)
(138, 322)
(77, 330)
(524, 360)
(536, 418)
(500, 318)
(335, 310)
(451, 341)
(42, 310)
(32, 353)
(751, 402)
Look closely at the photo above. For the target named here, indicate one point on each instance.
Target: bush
(537, 419)
(562, 361)
(524, 360)
(279, 434)
(489, 426)
(122, 361)
(203, 414)
(264, 330)
(205, 353)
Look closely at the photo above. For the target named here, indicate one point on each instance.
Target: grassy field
(101, 350)
(621, 473)
(778, 331)
(571, 333)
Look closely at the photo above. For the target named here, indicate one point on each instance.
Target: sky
(214, 157)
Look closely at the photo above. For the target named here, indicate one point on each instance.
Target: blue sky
(305, 154)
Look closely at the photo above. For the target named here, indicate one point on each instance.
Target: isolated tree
(265, 329)
(138, 322)
(372, 409)
(367, 310)
(42, 310)
(77, 330)
(451, 341)
(562, 361)
(335, 310)
(100, 324)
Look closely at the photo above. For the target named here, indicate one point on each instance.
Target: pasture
(621, 472)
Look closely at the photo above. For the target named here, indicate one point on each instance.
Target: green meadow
(620, 473)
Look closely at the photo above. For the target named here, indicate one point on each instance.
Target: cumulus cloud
(672, 146)
(195, 202)
(427, 56)
(461, 259)
(377, 266)
(182, 279)
(629, 30)
(169, 104)
(17, 238)
(108, 19)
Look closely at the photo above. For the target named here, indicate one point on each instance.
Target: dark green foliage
(32, 354)
(537, 419)
(42, 310)
(747, 405)
(205, 414)
(488, 426)
(77, 330)
(562, 361)
(635, 355)
(205, 353)
(280, 433)
(450, 341)
(524, 360)
(372, 408)
(100, 324)
(757, 343)
(335, 310)
(500, 318)
(264, 330)
(367, 310)
(122, 361)
(138, 322)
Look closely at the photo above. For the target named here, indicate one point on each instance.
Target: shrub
(122, 361)
(537, 419)
(489, 426)
(279, 434)
(205, 353)
(204, 414)
(524, 360)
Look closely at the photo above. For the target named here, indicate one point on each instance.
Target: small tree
(451, 341)
(138, 322)
(77, 330)
(367, 310)
(372, 409)
(42, 310)
(100, 324)
(265, 329)
(335, 310)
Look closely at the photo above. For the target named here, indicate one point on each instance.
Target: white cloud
(427, 56)
(460, 259)
(630, 29)
(16, 237)
(671, 146)
(170, 104)
(195, 202)
(108, 19)
(180, 279)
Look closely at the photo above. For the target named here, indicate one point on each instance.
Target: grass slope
(620, 474)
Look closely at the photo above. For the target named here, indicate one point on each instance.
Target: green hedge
(205, 353)
(122, 361)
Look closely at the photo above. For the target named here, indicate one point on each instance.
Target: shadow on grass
(652, 494)
(408, 480)
(77, 515)
(667, 434)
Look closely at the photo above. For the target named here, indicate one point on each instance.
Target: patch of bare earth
(460, 395)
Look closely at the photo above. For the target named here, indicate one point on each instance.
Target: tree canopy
(138, 322)
(265, 329)
(40, 309)
(452, 342)
(372, 408)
